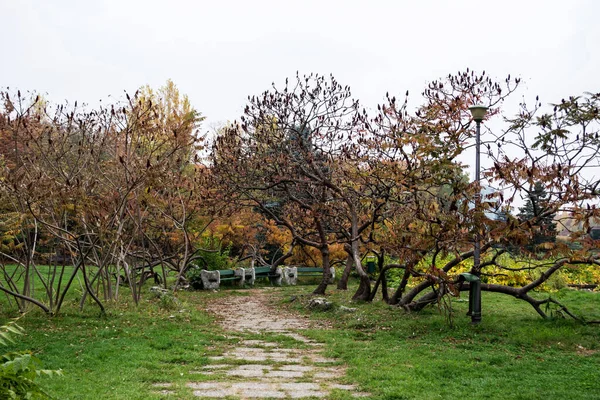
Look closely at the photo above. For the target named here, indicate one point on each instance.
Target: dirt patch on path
(262, 368)
(255, 314)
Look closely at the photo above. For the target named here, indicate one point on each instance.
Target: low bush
(19, 370)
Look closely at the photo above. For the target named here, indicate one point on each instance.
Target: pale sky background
(219, 52)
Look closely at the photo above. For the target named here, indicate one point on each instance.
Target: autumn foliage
(307, 175)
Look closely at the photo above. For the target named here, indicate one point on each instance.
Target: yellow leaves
(175, 237)
(434, 208)
(417, 227)
(277, 235)
(337, 252)
(547, 246)
(11, 225)
(581, 274)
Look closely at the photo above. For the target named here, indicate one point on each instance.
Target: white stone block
(210, 279)
(250, 275)
(290, 275)
(241, 272)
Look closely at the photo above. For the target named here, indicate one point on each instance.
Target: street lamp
(478, 112)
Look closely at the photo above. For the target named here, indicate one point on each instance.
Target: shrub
(194, 278)
(215, 257)
(166, 298)
(20, 370)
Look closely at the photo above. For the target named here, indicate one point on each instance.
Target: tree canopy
(131, 190)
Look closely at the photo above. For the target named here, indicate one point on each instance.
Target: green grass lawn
(512, 354)
(120, 355)
(393, 355)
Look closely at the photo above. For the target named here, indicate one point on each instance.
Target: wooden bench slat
(309, 270)
(228, 275)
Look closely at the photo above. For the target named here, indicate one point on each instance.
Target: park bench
(291, 274)
(226, 275)
(310, 271)
(213, 279)
(265, 272)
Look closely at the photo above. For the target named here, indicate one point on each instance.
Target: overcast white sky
(219, 52)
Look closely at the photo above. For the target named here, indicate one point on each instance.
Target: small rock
(158, 289)
(347, 309)
(319, 303)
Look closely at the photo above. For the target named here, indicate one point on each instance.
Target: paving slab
(285, 374)
(162, 385)
(247, 373)
(253, 386)
(298, 394)
(299, 386)
(342, 387)
(324, 360)
(286, 359)
(262, 394)
(326, 375)
(303, 368)
(268, 369)
(258, 367)
(212, 393)
(216, 366)
(205, 385)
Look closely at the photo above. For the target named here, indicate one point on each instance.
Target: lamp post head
(478, 112)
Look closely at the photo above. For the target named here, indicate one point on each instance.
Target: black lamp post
(478, 112)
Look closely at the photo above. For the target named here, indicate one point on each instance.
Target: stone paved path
(264, 369)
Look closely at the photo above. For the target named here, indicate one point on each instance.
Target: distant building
(566, 225)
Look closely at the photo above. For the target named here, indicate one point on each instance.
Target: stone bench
(265, 272)
(211, 280)
(291, 274)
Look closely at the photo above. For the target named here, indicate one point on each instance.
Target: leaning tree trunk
(400, 291)
(381, 279)
(320, 290)
(279, 261)
(521, 293)
(518, 293)
(343, 282)
(364, 288)
(404, 299)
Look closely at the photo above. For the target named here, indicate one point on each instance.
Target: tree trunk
(519, 293)
(364, 288)
(320, 290)
(384, 289)
(398, 293)
(381, 279)
(279, 261)
(380, 266)
(404, 300)
(21, 297)
(343, 282)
